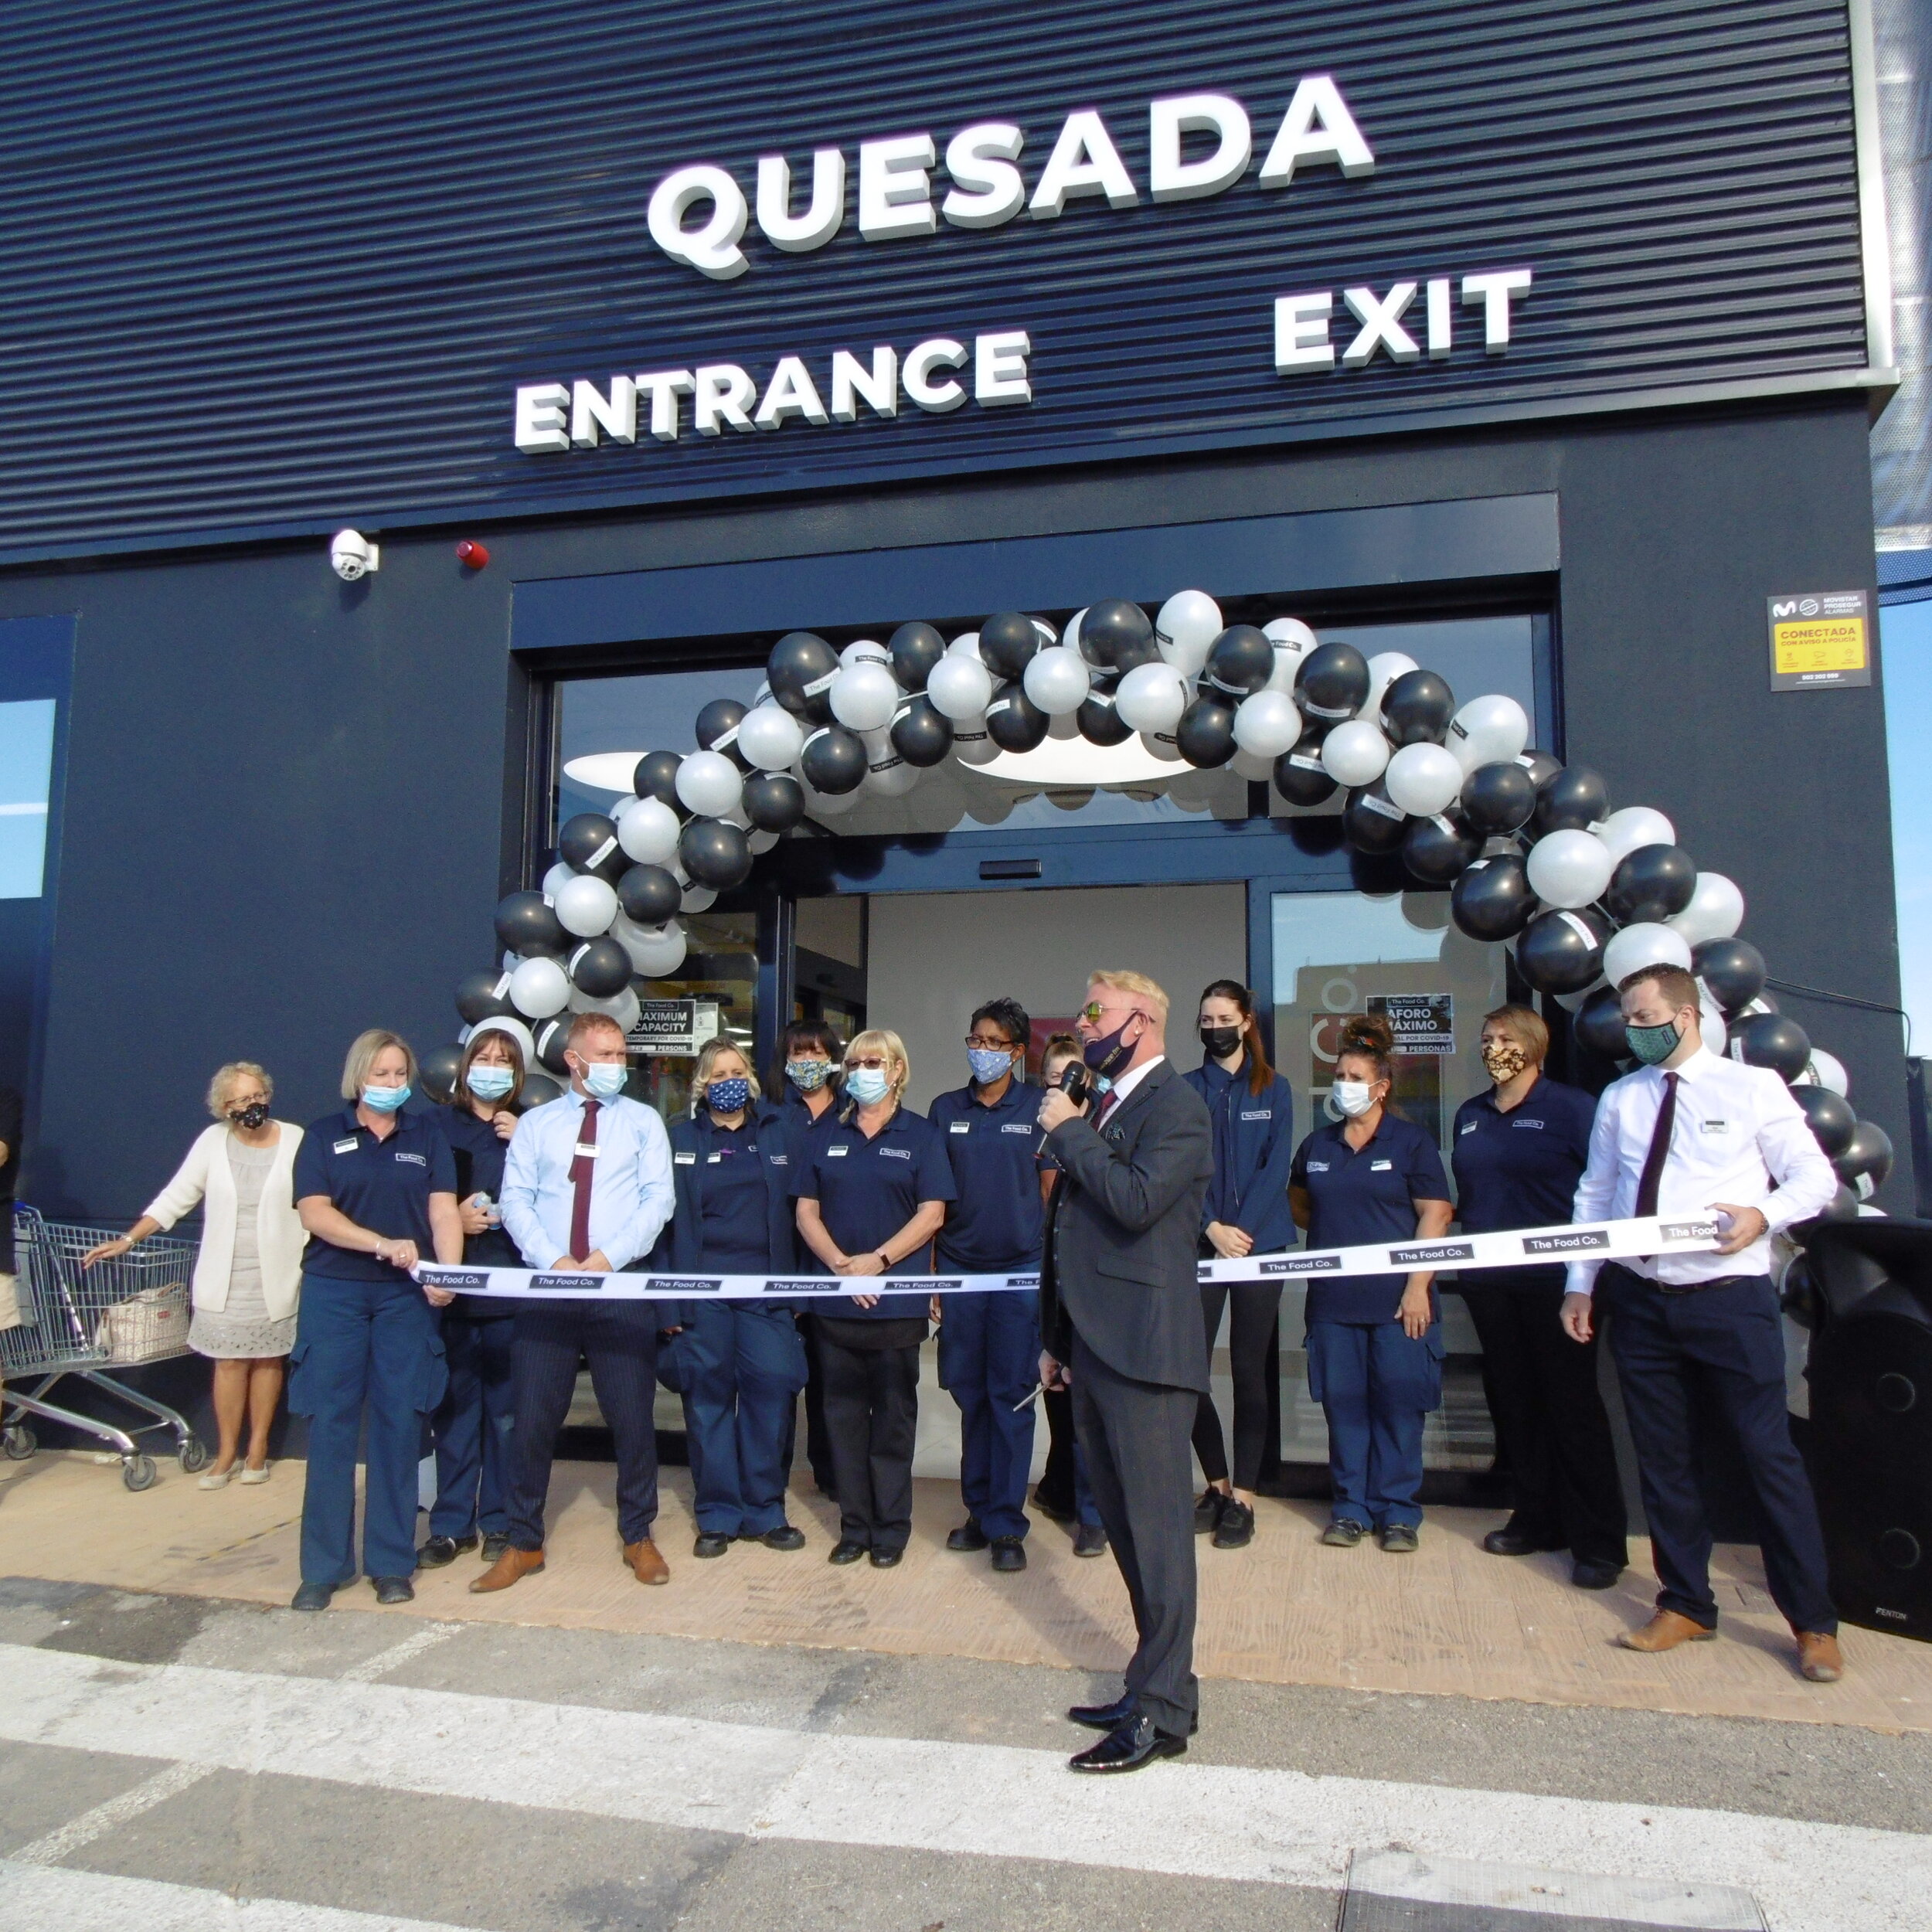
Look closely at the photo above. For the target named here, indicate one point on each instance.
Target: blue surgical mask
(384, 1099)
(1654, 1045)
(868, 1085)
(604, 1079)
(728, 1097)
(808, 1076)
(989, 1063)
(490, 1082)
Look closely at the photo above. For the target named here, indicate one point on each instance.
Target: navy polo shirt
(1363, 1196)
(1519, 1169)
(867, 1190)
(997, 1223)
(384, 1185)
(734, 1202)
(478, 1154)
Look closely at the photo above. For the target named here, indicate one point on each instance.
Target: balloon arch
(1530, 850)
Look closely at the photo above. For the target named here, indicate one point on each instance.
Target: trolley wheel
(138, 1472)
(192, 1455)
(19, 1442)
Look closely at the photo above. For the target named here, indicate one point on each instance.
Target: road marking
(370, 1669)
(57, 1844)
(1214, 1821)
(1526, 1894)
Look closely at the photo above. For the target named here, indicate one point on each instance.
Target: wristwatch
(885, 1259)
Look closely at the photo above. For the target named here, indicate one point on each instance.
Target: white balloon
(636, 941)
(1716, 911)
(887, 774)
(1161, 745)
(1151, 697)
(586, 907)
(1251, 765)
(1623, 832)
(770, 737)
(709, 784)
(1266, 724)
(829, 804)
(648, 833)
(1646, 944)
(1184, 628)
(960, 686)
(504, 1023)
(1569, 868)
(1293, 641)
(1828, 1070)
(1422, 779)
(1048, 637)
(864, 650)
(660, 954)
(1354, 753)
(539, 987)
(696, 899)
(1070, 637)
(972, 743)
(624, 1007)
(560, 875)
(1057, 680)
(863, 697)
(1710, 1021)
(1384, 668)
(1488, 731)
(965, 645)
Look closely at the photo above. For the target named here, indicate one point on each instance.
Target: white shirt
(1737, 1136)
(1131, 1079)
(630, 1190)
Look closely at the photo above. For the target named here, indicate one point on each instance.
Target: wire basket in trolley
(82, 1322)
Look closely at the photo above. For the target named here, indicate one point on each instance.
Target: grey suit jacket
(1123, 1234)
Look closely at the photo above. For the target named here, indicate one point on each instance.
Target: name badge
(838, 1152)
(347, 1146)
(684, 1160)
(896, 1153)
(1715, 1127)
(1259, 1113)
(960, 1127)
(711, 1160)
(586, 1150)
(1318, 1167)
(1380, 1167)
(1468, 1127)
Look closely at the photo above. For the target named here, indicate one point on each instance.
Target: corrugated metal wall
(268, 264)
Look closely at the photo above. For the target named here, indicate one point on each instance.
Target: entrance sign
(1820, 639)
(676, 1027)
(1421, 1023)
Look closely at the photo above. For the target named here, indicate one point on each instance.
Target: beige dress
(244, 1328)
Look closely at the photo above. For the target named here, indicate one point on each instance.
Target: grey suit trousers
(1137, 1438)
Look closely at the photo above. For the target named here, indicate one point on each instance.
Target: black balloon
(1009, 643)
(774, 801)
(1373, 821)
(914, 649)
(1539, 764)
(1436, 850)
(648, 895)
(552, 1036)
(1572, 800)
(437, 1069)
(1652, 883)
(1331, 683)
(601, 967)
(1492, 898)
(833, 760)
(1239, 661)
(1734, 970)
(1769, 1039)
(717, 730)
(922, 734)
(1099, 722)
(1206, 733)
(1499, 798)
(1868, 1156)
(656, 777)
(1014, 722)
(540, 1089)
(589, 843)
(1116, 635)
(1828, 1115)
(716, 853)
(1300, 775)
(526, 925)
(476, 997)
(802, 668)
(1598, 1024)
(1562, 952)
(1417, 709)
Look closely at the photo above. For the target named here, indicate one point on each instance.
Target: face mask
(604, 1080)
(1654, 1045)
(1106, 1056)
(808, 1076)
(1504, 1059)
(1351, 1096)
(251, 1117)
(989, 1063)
(868, 1085)
(1222, 1042)
(728, 1097)
(490, 1082)
(384, 1099)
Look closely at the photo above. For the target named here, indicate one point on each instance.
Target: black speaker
(1871, 1383)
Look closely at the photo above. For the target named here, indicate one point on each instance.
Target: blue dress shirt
(631, 1192)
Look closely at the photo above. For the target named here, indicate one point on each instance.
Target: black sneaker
(1207, 1511)
(968, 1535)
(1236, 1529)
(1344, 1533)
(783, 1537)
(393, 1590)
(1048, 1508)
(1400, 1539)
(440, 1550)
(1009, 1553)
(494, 1545)
(710, 1543)
(1089, 1540)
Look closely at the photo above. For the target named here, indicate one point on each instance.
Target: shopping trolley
(84, 1321)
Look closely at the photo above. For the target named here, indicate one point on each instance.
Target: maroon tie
(584, 1166)
(1653, 1174)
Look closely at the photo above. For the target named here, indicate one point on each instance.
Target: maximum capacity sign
(1820, 639)
(1422, 1022)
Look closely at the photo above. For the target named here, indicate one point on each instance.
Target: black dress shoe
(1589, 1576)
(1236, 1529)
(846, 1552)
(1089, 1540)
(1207, 1511)
(1048, 1507)
(783, 1537)
(711, 1542)
(495, 1546)
(886, 1559)
(1135, 1741)
(1009, 1553)
(968, 1535)
(312, 1597)
(1508, 1543)
(1103, 1717)
(440, 1550)
(393, 1590)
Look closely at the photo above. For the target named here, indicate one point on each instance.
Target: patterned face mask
(1505, 1059)
(1654, 1045)
(808, 1076)
(728, 1097)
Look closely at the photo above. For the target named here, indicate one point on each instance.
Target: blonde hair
(708, 1055)
(882, 1039)
(1532, 1034)
(225, 1077)
(1138, 985)
(362, 1057)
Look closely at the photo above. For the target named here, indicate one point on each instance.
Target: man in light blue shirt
(586, 1188)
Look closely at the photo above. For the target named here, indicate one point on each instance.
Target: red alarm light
(473, 553)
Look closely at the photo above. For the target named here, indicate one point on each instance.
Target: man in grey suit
(1121, 1316)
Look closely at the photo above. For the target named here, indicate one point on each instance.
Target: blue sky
(1905, 632)
(26, 759)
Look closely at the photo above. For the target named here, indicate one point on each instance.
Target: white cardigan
(279, 1234)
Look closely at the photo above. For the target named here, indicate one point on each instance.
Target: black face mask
(1221, 1042)
(251, 1117)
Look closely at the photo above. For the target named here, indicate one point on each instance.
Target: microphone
(1079, 1085)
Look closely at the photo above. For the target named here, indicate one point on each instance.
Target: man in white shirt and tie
(1690, 1134)
(586, 1187)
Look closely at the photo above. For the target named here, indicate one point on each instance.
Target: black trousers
(871, 1416)
(1551, 1424)
(1722, 1347)
(1054, 1492)
(1257, 1309)
(619, 1341)
(817, 1442)
(1135, 1437)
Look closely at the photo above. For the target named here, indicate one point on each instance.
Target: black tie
(1659, 1152)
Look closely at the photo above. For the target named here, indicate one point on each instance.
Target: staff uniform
(1687, 1328)
(475, 1426)
(739, 1364)
(800, 1124)
(1253, 1149)
(365, 1332)
(1374, 1383)
(585, 1175)
(989, 1344)
(1519, 1168)
(867, 1190)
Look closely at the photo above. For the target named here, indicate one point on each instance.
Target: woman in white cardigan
(249, 1273)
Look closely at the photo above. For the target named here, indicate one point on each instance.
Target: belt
(1691, 1288)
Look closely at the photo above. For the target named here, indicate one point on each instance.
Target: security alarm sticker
(1820, 639)
(1581, 1243)
(1421, 1023)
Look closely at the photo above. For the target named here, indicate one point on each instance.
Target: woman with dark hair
(1246, 1211)
(810, 1055)
(1374, 1342)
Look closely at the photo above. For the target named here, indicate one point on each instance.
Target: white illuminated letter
(980, 159)
(1171, 178)
(790, 391)
(590, 413)
(712, 249)
(938, 397)
(799, 234)
(1301, 332)
(894, 194)
(1493, 290)
(721, 392)
(1381, 325)
(1317, 127)
(1441, 328)
(853, 383)
(540, 419)
(664, 386)
(999, 369)
(1084, 161)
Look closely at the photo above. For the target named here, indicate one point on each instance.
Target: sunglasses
(874, 1064)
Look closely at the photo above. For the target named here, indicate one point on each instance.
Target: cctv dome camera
(353, 556)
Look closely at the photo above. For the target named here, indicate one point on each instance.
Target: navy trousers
(989, 1352)
(357, 1343)
(619, 1341)
(739, 1367)
(1375, 1386)
(473, 1428)
(1723, 1347)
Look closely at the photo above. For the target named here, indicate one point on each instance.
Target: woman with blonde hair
(248, 1274)
(871, 1195)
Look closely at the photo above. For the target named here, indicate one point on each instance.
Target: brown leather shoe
(1665, 1631)
(513, 1566)
(1819, 1660)
(646, 1565)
